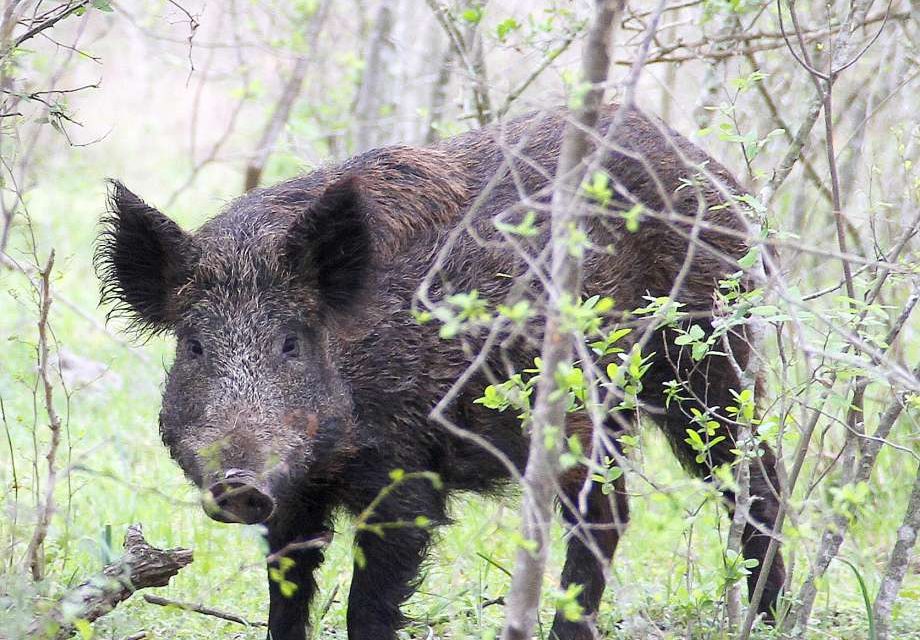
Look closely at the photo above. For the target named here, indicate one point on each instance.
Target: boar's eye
(291, 346)
(194, 348)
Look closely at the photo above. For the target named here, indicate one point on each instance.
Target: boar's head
(254, 403)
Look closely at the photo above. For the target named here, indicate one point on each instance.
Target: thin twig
(479, 82)
(47, 24)
(46, 508)
(203, 610)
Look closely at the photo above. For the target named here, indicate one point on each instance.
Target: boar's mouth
(238, 498)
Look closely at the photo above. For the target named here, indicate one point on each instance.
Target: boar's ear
(142, 258)
(329, 245)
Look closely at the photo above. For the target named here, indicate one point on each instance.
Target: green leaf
(598, 188)
(505, 27)
(84, 628)
(633, 217)
(103, 5)
(864, 592)
(699, 351)
(694, 440)
(473, 15)
(526, 228)
(750, 258)
(517, 313)
(287, 588)
(764, 310)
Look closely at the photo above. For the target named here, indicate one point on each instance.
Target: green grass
(664, 582)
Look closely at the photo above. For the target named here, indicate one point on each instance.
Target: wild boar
(302, 378)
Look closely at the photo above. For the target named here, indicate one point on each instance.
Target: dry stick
(472, 63)
(549, 410)
(877, 439)
(898, 563)
(777, 43)
(832, 540)
(841, 48)
(840, 222)
(141, 566)
(13, 518)
(476, 49)
(729, 25)
(747, 379)
(245, 96)
(285, 103)
(29, 270)
(781, 122)
(323, 611)
(200, 608)
(834, 533)
(740, 518)
(600, 441)
(46, 509)
(515, 93)
(47, 24)
(276, 123)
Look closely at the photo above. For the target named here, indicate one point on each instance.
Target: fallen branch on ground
(140, 567)
(200, 608)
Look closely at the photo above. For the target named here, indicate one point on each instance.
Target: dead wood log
(140, 567)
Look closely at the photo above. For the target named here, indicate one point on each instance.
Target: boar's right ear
(328, 247)
(142, 258)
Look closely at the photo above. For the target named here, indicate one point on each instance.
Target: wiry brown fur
(330, 262)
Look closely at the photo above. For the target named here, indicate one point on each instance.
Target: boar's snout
(238, 498)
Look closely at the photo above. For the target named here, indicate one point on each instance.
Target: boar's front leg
(390, 548)
(290, 573)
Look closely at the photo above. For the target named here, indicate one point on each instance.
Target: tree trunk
(286, 102)
(549, 407)
(378, 66)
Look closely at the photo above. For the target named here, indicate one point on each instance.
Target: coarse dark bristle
(329, 245)
(140, 256)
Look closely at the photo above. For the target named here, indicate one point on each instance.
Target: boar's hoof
(238, 499)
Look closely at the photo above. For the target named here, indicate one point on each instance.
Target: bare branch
(69, 9)
(471, 61)
(200, 608)
(46, 508)
(282, 110)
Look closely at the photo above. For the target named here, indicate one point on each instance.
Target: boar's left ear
(142, 258)
(329, 245)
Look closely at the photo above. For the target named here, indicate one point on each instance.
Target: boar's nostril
(237, 499)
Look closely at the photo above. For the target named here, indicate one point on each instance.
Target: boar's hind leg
(593, 536)
(288, 614)
(388, 558)
(707, 384)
